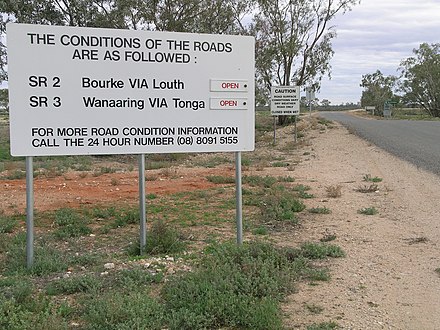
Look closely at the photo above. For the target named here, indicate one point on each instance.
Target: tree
(4, 101)
(206, 16)
(377, 89)
(421, 78)
(293, 41)
(325, 103)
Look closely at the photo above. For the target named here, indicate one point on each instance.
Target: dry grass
(334, 191)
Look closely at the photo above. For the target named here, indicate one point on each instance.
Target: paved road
(415, 141)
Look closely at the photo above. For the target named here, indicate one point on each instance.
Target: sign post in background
(77, 91)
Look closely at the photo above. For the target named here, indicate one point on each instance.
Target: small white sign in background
(284, 100)
(102, 91)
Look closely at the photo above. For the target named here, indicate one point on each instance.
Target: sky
(377, 35)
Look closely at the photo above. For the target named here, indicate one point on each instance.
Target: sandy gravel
(388, 278)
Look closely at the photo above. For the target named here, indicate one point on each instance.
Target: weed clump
(320, 210)
(368, 188)
(161, 240)
(334, 191)
(70, 224)
(281, 206)
(368, 211)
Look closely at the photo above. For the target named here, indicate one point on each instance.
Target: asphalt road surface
(415, 141)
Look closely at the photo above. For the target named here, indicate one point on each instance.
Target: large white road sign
(102, 91)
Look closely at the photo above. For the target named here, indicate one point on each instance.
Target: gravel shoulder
(388, 278)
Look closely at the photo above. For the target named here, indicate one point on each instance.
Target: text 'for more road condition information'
(102, 91)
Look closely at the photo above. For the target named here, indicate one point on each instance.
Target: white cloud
(377, 35)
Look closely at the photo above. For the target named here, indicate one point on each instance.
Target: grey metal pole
(274, 130)
(142, 205)
(296, 135)
(29, 212)
(238, 198)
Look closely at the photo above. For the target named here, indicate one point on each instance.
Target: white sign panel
(285, 100)
(100, 91)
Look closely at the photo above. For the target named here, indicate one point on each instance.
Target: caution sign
(285, 100)
(103, 91)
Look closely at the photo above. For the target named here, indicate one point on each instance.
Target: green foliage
(123, 311)
(48, 258)
(260, 231)
(314, 309)
(328, 238)
(369, 178)
(421, 78)
(7, 224)
(259, 181)
(293, 41)
(70, 223)
(38, 315)
(213, 161)
(280, 205)
(305, 195)
(321, 251)
(280, 164)
(135, 278)
(320, 210)
(377, 89)
(301, 188)
(286, 179)
(324, 326)
(21, 309)
(236, 286)
(70, 285)
(218, 179)
(161, 240)
(368, 211)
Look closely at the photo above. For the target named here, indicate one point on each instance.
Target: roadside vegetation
(88, 272)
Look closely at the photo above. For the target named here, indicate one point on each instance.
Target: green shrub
(236, 287)
(161, 240)
(218, 179)
(84, 283)
(7, 224)
(47, 259)
(259, 181)
(368, 211)
(123, 311)
(260, 231)
(369, 178)
(70, 224)
(324, 326)
(320, 210)
(22, 309)
(321, 251)
(280, 206)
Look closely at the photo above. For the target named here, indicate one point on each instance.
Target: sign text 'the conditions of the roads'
(103, 91)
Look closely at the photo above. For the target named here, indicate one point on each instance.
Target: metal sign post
(29, 212)
(310, 96)
(296, 134)
(142, 206)
(274, 130)
(238, 198)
